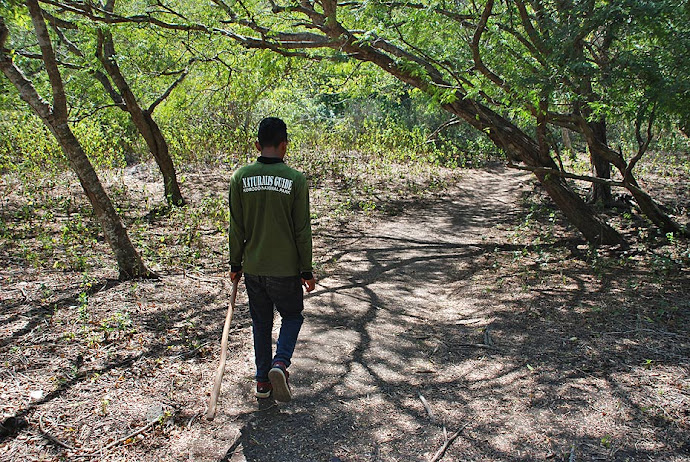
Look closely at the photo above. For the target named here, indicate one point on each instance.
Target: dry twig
(50, 437)
(427, 407)
(442, 450)
(26, 296)
(191, 421)
(488, 341)
(98, 452)
(475, 345)
(191, 352)
(209, 279)
(131, 435)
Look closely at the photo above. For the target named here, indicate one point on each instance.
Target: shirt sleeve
(236, 231)
(301, 217)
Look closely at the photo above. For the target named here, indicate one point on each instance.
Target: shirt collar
(269, 160)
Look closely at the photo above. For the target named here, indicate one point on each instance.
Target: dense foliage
(453, 85)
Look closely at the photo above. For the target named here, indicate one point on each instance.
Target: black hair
(272, 132)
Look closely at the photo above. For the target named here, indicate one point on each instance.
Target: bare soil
(470, 313)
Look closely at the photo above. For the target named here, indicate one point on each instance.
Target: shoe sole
(262, 395)
(281, 390)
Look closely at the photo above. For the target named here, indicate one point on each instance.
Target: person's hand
(309, 284)
(235, 276)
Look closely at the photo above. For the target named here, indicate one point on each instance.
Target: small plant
(83, 308)
(118, 322)
(606, 441)
(103, 410)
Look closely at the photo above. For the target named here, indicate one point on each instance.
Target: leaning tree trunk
(129, 261)
(54, 117)
(518, 145)
(142, 119)
(651, 209)
(514, 142)
(159, 148)
(423, 73)
(647, 204)
(600, 193)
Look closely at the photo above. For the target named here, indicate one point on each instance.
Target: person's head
(272, 133)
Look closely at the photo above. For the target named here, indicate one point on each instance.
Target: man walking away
(270, 241)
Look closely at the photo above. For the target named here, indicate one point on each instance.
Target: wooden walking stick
(211, 412)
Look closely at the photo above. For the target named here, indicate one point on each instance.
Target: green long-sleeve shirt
(270, 228)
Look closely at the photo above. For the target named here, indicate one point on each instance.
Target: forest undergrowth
(119, 371)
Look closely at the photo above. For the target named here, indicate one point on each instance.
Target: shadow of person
(283, 433)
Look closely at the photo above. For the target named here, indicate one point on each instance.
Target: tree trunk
(54, 117)
(599, 193)
(518, 145)
(514, 142)
(566, 139)
(652, 210)
(159, 148)
(648, 206)
(142, 119)
(129, 261)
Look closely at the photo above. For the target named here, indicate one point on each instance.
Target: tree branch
(428, 59)
(526, 43)
(108, 86)
(443, 126)
(168, 91)
(551, 171)
(59, 22)
(569, 121)
(90, 11)
(93, 111)
(463, 19)
(474, 46)
(27, 91)
(39, 57)
(166, 8)
(305, 8)
(49, 60)
(529, 28)
(642, 144)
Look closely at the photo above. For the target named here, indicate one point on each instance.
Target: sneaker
(263, 389)
(278, 375)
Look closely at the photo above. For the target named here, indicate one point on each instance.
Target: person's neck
(272, 153)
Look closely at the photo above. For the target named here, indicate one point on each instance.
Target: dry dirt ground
(439, 325)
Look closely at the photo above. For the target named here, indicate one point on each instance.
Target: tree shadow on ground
(531, 350)
(560, 365)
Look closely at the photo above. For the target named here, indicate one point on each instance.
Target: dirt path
(420, 328)
(396, 318)
(409, 310)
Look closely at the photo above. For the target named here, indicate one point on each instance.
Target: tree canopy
(518, 74)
